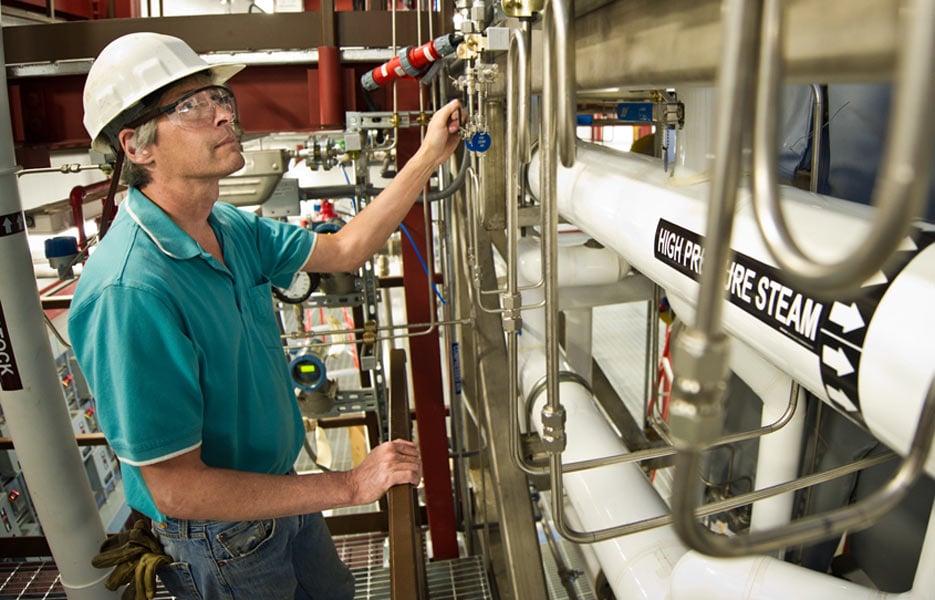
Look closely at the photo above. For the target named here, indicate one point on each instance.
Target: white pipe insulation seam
(871, 358)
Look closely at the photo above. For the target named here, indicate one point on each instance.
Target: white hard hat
(131, 68)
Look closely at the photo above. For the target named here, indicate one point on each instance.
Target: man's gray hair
(135, 175)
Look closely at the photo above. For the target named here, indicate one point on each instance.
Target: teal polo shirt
(182, 351)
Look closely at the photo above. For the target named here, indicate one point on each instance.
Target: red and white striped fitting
(410, 62)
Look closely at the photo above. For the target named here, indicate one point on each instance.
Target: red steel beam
(216, 33)
(427, 389)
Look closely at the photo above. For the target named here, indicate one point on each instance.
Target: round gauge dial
(302, 286)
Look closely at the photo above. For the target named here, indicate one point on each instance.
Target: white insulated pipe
(780, 452)
(577, 265)
(638, 565)
(866, 358)
(700, 577)
(33, 403)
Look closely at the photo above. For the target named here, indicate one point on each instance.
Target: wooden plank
(407, 560)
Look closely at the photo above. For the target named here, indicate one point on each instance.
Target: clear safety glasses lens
(198, 108)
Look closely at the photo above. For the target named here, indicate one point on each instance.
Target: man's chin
(237, 165)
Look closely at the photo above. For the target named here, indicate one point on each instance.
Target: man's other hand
(391, 463)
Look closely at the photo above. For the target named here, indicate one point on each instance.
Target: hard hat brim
(220, 73)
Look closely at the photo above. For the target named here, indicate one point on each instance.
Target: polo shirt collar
(162, 230)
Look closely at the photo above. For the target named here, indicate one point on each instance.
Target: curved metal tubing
(515, 445)
(817, 116)
(539, 387)
(700, 342)
(806, 530)
(558, 113)
(558, 29)
(739, 500)
(899, 194)
(518, 85)
(648, 453)
(517, 140)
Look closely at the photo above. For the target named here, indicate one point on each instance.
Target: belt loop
(184, 526)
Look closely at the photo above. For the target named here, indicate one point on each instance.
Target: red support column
(330, 87)
(428, 395)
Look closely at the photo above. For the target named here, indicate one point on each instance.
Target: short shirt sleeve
(144, 372)
(281, 248)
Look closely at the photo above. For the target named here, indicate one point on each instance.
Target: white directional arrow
(877, 278)
(8, 225)
(847, 316)
(908, 244)
(841, 398)
(837, 360)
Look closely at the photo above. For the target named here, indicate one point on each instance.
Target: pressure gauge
(302, 286)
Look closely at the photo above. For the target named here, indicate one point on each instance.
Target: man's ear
(140, 156)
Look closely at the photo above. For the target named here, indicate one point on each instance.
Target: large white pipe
(700, 577)
(863, 357)
(654, 564)
(780, 452)
(577, 265)
(33, 402)
(638, 565)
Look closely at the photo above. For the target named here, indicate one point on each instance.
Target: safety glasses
(198, 108)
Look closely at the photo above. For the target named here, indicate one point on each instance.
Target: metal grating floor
(460, 579)
(34, 580)
(456, 579)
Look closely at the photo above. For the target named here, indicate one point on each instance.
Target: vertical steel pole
(32, 399)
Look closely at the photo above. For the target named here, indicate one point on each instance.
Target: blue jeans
(275, 559)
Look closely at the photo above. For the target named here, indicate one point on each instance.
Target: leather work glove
(135, 554)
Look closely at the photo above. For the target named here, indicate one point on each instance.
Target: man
(172, 323)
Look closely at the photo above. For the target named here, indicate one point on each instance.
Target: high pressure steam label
(752, 286)
(832, 330)
(9, 373)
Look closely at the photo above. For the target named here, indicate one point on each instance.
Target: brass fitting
(522, 8)
(370, 332)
